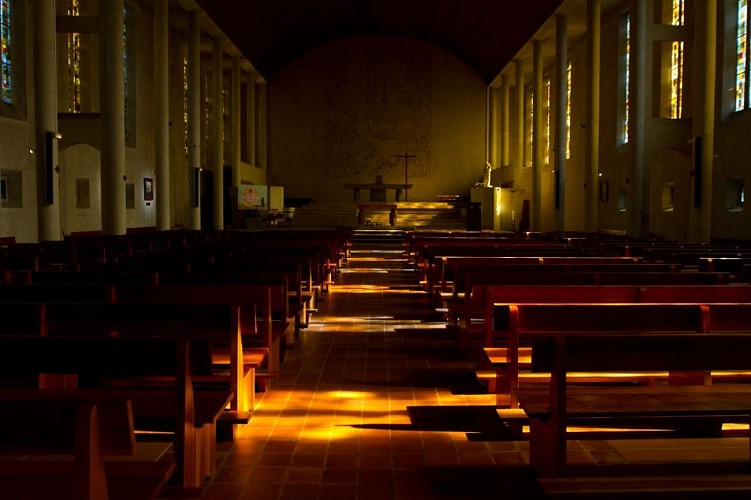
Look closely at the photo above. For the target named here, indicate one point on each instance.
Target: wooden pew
(523, 321)
(87, 425)
(489, 295)
(56, 292)
(550, 410)
(25, 318)
(189, 413)
(187, 321)
(429, 263)
(102, 277)
(738, 267)
(516, 323)
(469, 275)
(254, 303)
(284, 319)
(424, 250)
(82, 286)
(450, 271)
(297, 268)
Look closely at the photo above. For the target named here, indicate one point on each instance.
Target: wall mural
(378, 101)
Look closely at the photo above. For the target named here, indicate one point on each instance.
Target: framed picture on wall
(148, 189)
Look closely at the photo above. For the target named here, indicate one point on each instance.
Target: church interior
(375, 249)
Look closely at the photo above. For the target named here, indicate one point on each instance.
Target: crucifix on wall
(406, 157)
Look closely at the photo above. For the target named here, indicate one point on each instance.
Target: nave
(377, 400)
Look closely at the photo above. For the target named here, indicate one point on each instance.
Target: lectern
(489, 199)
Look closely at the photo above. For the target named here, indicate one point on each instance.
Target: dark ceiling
(486, 34)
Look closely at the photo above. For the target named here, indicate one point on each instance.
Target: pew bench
(515, 325)
(90, 427)
(497, 358)
(103, 277)
(551, 410)
(672, 487)
(489, 295)
(283, 313)
(212, 323)
(55, 292)
(461, 301)
(260, 343)
(186, 412)
(258, 302)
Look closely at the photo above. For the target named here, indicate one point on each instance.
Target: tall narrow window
(568, 110)
(185, 103)
(741, 62)
(225, 119)
(5, 38)
(676, 65)
(529, 135)
(126, 73)
(208, 103)
(74, 62)
(626, 78)
(546, 153)
(129, 74)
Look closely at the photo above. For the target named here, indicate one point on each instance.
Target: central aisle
(375, 401)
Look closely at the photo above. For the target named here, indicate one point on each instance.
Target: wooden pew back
(564, 404)
(88, 427)
(93, 358)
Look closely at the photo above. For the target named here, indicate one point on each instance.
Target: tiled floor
(377, 402)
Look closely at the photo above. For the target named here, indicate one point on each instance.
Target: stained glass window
(74, 62)
(626, 78)
(676, 64)
(741, 64)
(126, 73)
(568, 110)
(185, 102)
(529, 136)
(5, 39)
(546, 153)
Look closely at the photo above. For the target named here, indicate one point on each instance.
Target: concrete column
(161, 114)
(493, 157)
(217, 135)
(262, 128)
(639, 208)
(703, 123)
(560, 93)
(594, 9)
(251, 120)
(519, 153)
(491, 128)
(538, 121)
(45, 117)
(113, 114)
(235, 144)
(194, 115)
(505, 113)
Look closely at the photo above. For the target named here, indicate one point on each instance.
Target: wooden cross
(406, 157)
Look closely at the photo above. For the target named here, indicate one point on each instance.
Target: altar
(377, 190)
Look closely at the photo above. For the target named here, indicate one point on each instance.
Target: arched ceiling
(486, 34)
